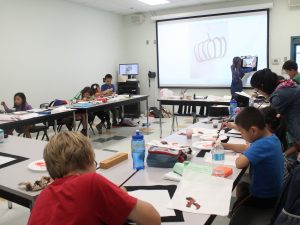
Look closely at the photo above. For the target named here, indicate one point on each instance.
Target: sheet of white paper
(213, 194)
(6, 117)
(36, 110)
(229, 159)
(27, 116)
(158, 198)
(213, 98)
(4, 159)
(243, 94)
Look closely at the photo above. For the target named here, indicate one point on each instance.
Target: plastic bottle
(251, 102)
(217, 152)
(233, 105)
(138, 150)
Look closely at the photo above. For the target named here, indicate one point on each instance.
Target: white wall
(283, 24)
(52, 48)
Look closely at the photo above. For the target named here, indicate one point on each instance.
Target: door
(295, 49)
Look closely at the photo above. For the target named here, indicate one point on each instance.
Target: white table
(153, 176)
(12, 175)
(112, 103)
(40, 119)
(205, 103)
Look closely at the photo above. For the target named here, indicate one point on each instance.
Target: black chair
(37, 129)
(90, 123)
(68, 122)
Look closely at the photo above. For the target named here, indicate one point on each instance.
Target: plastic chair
(90, 123)
(37, 129)
(68, 122)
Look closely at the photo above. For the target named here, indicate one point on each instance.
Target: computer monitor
(129, 69)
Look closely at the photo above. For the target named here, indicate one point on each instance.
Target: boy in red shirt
(78, 195)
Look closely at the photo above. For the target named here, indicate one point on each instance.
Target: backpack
(129, 123)
(155, 112)
(58, 102)
(287, 211)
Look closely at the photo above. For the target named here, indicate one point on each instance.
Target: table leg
(87, 122)
(160, 115)
(55, 126)
(173, 120)
(9, 203)
(74, 121)
(31, 205)
(147, 112)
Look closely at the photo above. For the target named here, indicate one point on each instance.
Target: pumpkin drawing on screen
(210, 49)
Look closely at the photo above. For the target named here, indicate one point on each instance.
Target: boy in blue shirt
(108, 89)
(264, 155)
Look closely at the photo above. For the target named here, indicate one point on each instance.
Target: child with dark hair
(284, 96)
(102, 115)
(20, 104)
(291, 68)
(86, 95)
(96, 90)
(108, 89)
(276, 125)
(264, 155)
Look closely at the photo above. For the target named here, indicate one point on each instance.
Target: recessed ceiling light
(155, 2)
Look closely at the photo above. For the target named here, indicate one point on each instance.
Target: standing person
(20, 104)
(108, 89)
(237, 72)
(291, 68)
(284, 96)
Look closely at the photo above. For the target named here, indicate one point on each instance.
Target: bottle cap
(137, 135)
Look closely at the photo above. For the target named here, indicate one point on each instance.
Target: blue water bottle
(233, 105)
(138, 150)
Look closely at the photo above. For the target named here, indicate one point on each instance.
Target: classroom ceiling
(125, 7)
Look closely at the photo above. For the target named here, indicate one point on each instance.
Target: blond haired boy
(78, 195)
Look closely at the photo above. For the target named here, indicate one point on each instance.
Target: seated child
(78, 195)
(108, 89)
(86, 95)
(291, 68)
(20, 104)
(102, 115)
(264, 155)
